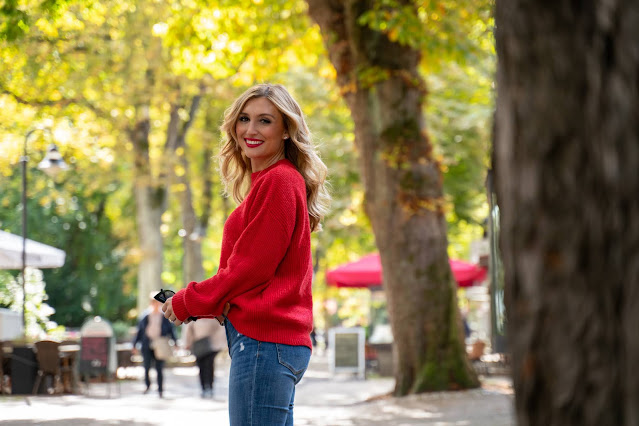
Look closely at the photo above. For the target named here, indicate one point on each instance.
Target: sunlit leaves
(16, 16)
(227, 39)
(442, 29)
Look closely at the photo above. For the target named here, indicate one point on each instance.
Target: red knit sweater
(265, 265)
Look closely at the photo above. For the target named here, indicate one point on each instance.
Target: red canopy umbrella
(367, 272)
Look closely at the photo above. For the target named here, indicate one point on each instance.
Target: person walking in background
(153, 334)
(205, 338)
(270, 165)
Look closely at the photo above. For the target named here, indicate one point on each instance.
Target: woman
(205, 339)
(270, 165)
(151, 327)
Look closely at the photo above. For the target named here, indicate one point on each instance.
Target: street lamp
(52, 164)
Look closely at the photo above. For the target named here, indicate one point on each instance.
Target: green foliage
(15, 20)
(444, 30)
(459, 113)
(8, 295)
(227, 39)
(460, 116)
(91, 282)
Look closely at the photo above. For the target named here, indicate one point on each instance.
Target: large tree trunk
(194, 227)
(193, 268)
(404, 198)
(150, 201)
(567, 176)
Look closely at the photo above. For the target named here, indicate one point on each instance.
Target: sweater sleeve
(261, 246)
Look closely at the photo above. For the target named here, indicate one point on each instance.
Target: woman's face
(261, 133)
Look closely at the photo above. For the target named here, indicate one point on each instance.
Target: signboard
(97, 348)
(94, 354)
(346, 346)
(346, 350)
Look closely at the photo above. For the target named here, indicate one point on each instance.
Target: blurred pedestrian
(205, 338)
(467, 330)
(154, 333)
(271, 167)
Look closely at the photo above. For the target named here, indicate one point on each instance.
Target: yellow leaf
(392, 34)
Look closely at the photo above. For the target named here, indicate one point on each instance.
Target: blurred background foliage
(82, 68)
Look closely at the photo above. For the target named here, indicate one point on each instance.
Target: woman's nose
(250, 128)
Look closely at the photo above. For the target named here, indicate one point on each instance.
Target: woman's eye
(266, 121)
(243, 119)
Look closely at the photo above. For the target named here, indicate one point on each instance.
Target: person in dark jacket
(152, 326)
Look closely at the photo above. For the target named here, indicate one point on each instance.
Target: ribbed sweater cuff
(179, 308)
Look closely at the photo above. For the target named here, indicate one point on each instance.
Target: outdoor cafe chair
(49, 365)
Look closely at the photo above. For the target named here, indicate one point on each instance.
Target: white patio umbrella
(38, 255)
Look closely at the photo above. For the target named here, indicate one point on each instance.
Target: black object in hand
(165, 295)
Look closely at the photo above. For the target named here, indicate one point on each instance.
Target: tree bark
(567, 177)
(150, 203)
(151, 199)
(403, 197)
(194, 227)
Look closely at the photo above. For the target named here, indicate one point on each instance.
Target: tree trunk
(567, 178)
(193, 268)
(195, 229)
(404, 199)
(150, 201)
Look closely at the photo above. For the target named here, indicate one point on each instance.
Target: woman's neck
(263, 166)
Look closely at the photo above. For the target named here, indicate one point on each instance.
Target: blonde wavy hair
(235, 167)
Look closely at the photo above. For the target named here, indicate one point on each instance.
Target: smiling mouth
(253, 142)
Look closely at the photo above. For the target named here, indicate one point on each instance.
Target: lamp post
(51, 165)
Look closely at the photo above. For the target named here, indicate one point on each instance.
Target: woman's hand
(220, 318)
(167, 308)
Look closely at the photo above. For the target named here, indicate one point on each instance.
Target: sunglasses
(165, 295)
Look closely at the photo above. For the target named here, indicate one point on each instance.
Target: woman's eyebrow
(260, 115)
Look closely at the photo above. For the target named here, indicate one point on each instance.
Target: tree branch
(64, 102)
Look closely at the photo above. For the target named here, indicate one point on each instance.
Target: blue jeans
(262, 379)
